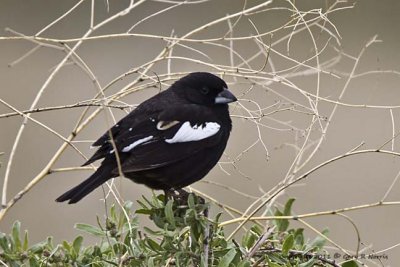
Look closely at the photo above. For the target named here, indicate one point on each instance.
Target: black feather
(169, 141)
(100, 176)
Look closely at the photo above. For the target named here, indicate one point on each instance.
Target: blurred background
(277, 124)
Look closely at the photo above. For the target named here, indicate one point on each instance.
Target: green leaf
(309, 263)
(113, 213)
(287, 211)
(128, 206)
(49, 241)
(38, 248)
(4, 242)
(141, 203)
(169, 213)
(227, 258)
(287, 244)
(191, 202)
(151, 231)
(33, 262)
(77, 244)
(66, 246)
(150, 262)
(257, 230)
(272, 264)
(90, 229)
(144, 211)
(217, 217)
(248, 240)
(244, 263)
(350, 263)
(16, 235)
(26, 240)
(282, 225)
(320, 241)
(299, 237)
(153, 245)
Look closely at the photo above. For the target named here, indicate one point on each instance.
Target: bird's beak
(225, 97)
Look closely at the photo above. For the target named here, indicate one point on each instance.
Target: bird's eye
(204, 90)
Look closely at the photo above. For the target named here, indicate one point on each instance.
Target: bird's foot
(181, 196)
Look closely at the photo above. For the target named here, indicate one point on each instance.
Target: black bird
(169, 141)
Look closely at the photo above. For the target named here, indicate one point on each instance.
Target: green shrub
(182, 236)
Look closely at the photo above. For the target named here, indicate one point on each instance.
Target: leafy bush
(183, 236)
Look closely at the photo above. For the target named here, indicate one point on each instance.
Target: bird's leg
(179, 195)
(168, 195)
(182, 196)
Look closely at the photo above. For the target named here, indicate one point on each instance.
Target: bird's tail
(101, 175)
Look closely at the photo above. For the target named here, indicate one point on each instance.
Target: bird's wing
(184, 140)
(161, 138)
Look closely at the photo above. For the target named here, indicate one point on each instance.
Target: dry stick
(175, 39)
(261, 240)
(27, 54)
(30, 38)
(295, 164)
(387, 249)
(206, 26)
(336, 106)
(324, 236)
(35, 180)
(22, 127)
(59, 18)
(330, 118)
(187, 39)
(301, 253)
(47, 168)
(68, 169)
(303, 176)
(92, 14)
(101, 92)
(357, 232)
(44, 126)
(87, 69)
(311, 23)
(393, 128)
(77, 105)
(333, 102)
(391, 187)
(229, 188)
(316, 53)
(227, 208)
(318, 66)
(165, 38)
(362, 74)
(156, 14)
(248, 11)
(314, 214)
(272, 190)
(58, 67)
(7, 205)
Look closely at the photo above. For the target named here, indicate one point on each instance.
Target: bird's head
(205, 89)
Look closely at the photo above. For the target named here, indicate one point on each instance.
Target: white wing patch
(188, 133)
(136, 143)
